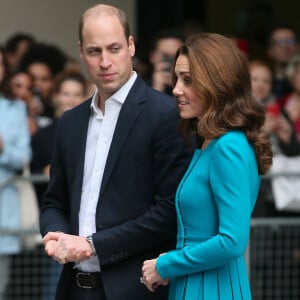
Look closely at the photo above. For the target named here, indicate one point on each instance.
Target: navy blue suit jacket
(135, 217)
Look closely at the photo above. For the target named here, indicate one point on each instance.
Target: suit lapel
(130, 111)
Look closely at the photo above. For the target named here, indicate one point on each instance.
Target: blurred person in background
(43, 62)
(15, 152)
(15, 47)
(19, 85)
(278, 127)
(282, 45)
(291, 101)
(284, 140)
(69, 90)
(278, 124)
(162, 54)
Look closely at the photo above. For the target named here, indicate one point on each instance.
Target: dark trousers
(76, 293)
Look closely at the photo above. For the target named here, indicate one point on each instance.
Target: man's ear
(131, 45)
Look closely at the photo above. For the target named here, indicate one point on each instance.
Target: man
(44, 62)
(162, 54)
(116, 165)
(282, 46)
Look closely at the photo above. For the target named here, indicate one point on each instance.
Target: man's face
(165, 47)
(42, 79)
(283, 45)
(106, 53)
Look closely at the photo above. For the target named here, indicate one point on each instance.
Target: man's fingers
(51, 236)
(50, 247)
(81, 255)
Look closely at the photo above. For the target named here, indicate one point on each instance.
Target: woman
(280, 130)
(278, 126)
(14, 153)
(291, 101)
(19, 85)
(69, 90)
(216, 196)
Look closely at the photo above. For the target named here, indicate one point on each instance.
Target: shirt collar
(120, 95)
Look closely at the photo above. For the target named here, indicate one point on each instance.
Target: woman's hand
(284, 130)
(151, 277)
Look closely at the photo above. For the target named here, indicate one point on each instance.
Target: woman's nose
(177, 90)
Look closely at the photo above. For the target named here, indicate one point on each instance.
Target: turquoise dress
(214, 202)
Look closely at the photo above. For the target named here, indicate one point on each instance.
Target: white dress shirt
(100, 133)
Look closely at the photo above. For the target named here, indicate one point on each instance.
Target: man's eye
(93, 51)
(115, 49)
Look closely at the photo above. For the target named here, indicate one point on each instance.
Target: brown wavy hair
(220, 75)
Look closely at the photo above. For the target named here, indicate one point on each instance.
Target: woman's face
(189, 104)
(70, 94)
(261, 82)
(21, 86)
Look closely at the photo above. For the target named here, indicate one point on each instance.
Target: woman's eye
(187, 80)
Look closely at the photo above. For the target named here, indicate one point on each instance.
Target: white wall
(52, 21)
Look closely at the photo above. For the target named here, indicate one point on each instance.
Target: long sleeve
(15, 136)
(231, 171)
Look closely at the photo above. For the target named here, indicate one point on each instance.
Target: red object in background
(274, 109)
(243, 45)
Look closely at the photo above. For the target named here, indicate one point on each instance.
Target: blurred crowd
(39, 82)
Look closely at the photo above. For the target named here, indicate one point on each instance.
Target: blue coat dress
(16, 152)
(214, 203)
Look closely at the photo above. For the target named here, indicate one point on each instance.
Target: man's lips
(107, 76)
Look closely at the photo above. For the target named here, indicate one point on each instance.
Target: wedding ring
(142, 280)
